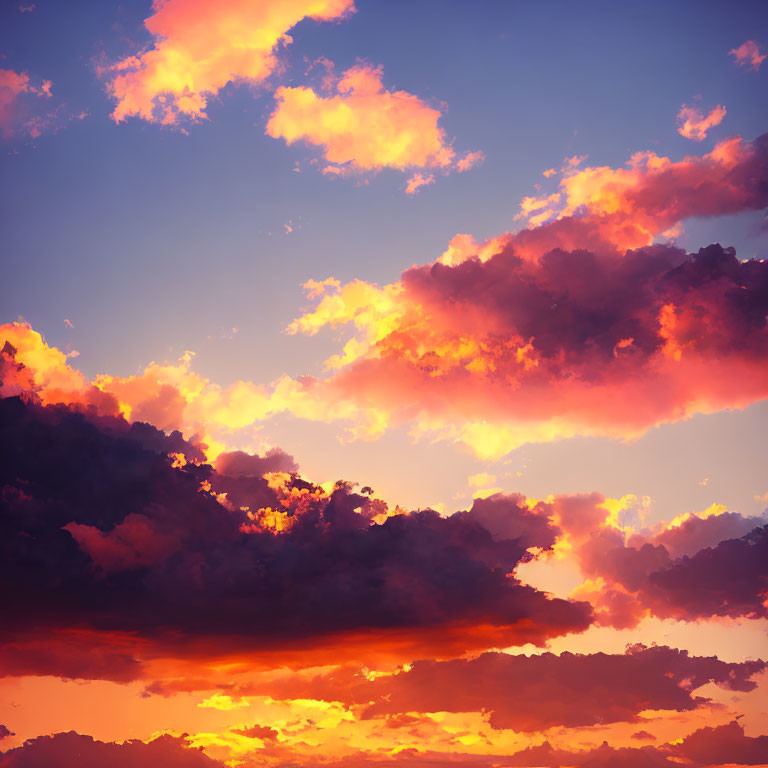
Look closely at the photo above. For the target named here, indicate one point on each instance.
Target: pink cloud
(694, 124)
(748, 55)
(417, 181)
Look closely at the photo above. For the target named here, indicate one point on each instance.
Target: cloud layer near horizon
(709, 746)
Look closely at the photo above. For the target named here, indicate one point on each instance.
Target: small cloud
(470, 160)
(27, 7)
(762, 497)
(705, 481)
(315, 288)
(694, 124)
(223, 702)
(417, 181)
(549, 173)
(748, 55)
(572, 162)
(68, 323)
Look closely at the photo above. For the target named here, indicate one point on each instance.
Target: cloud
(500, 352)
(12, 84)
(547, 333)
(198, 48)
(539, 692)
(20, 106)
(748, 55)
(107, 532)
(512, 340)
(169, 395)
(360, 126)
(223, 702)
(418, 180)
(723, 744)
(256, 731)
(730, 579)
(692, 123)
(628, 207)
(241, 464)
(726, 745)
(554, 330)
(697, 566)
(62, 749)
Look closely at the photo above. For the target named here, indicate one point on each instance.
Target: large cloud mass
(101, 533)
(574, 326)
(574, 343)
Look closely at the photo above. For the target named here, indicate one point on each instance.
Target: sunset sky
(383, 383)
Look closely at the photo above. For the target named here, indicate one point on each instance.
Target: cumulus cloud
(198, 48)
(692, 123)
(548, 333)
(106, 532)
(748, 55)
(360, 126)
(555, 330)
(697, 566)
(504, 351)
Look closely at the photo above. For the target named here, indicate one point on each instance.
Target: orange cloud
(364, 127)
(169, 395)
(200, 47)
(748, 55)
(620, 208)
(694, 124)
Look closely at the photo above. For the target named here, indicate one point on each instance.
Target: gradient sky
(132, 238)
(152, 242)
